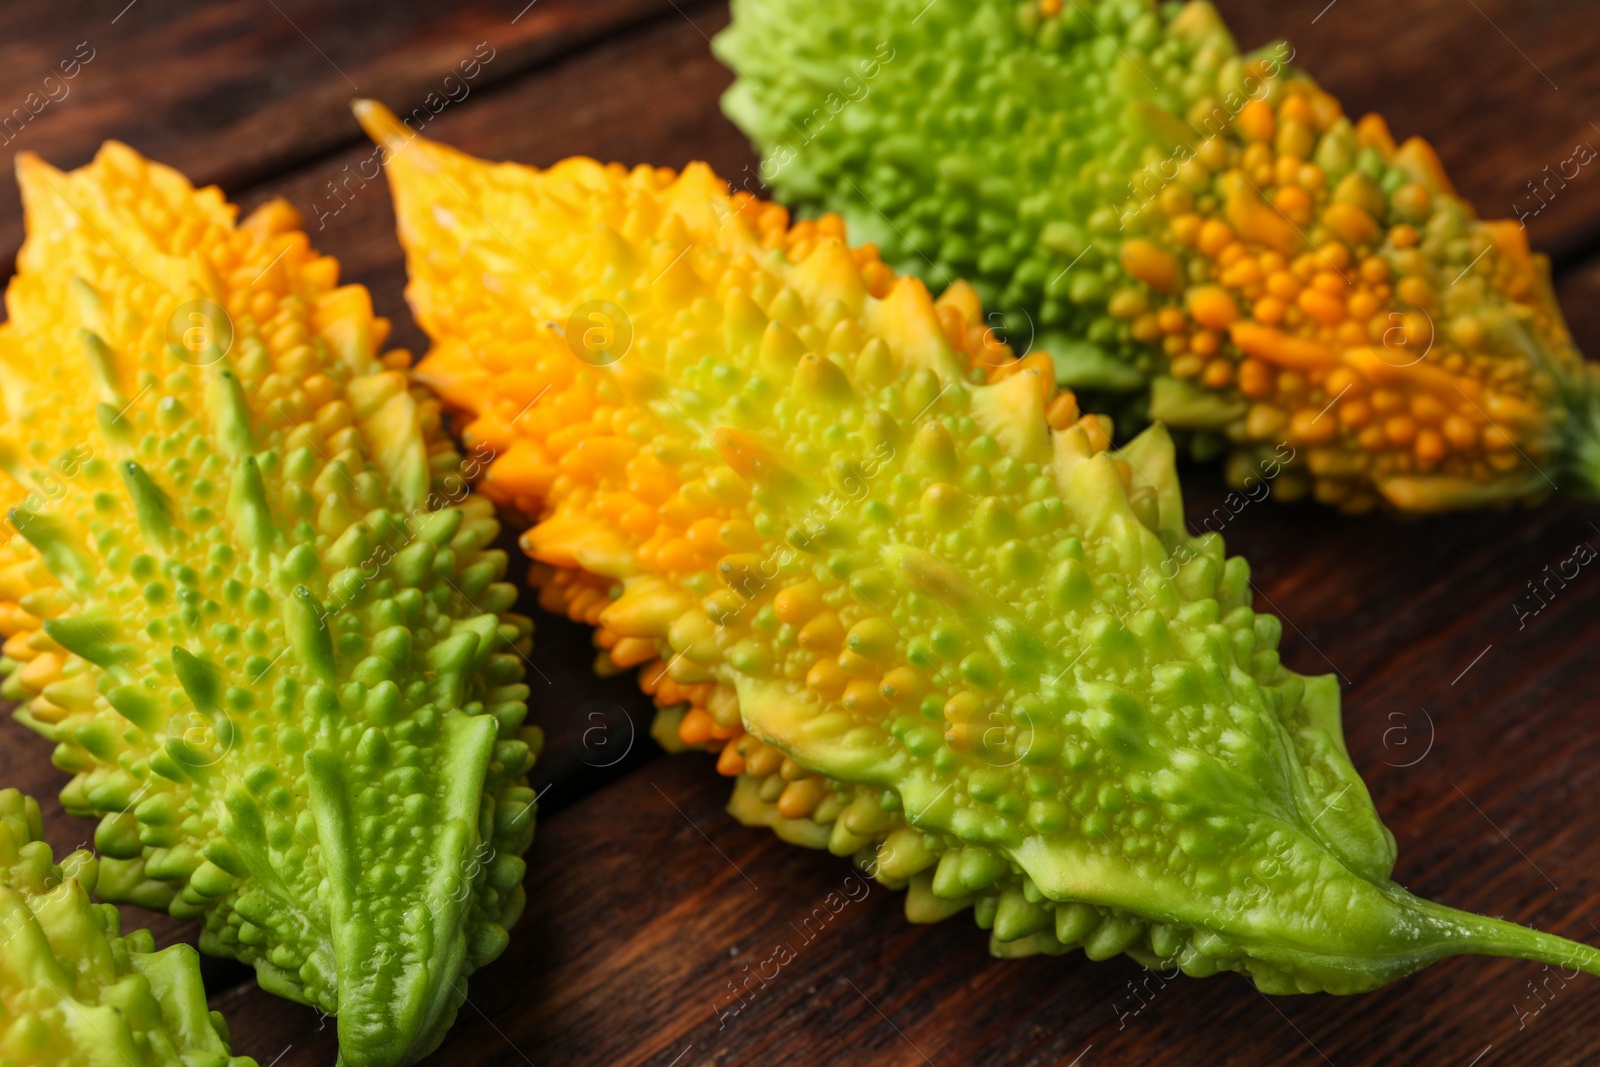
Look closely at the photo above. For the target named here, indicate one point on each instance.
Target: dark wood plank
(1578, 289)
(235, 92)
(1502, 88)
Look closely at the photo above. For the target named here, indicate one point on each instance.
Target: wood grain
(1472, 721)
(238, 91)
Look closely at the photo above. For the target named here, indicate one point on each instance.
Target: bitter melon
(249, 600)
(933, 622)
(1202, 228)
(74, 990)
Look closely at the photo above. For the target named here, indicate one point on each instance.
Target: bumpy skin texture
(75, 991)
(249, 600)
(971, 647)
(1203, 229)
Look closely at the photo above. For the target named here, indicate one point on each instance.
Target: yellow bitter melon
(971, 647)
(247, 597)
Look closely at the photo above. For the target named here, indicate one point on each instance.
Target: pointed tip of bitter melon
(1287, 282)
(381, 124)
(923, 613)
(253, 605)
(73, 987)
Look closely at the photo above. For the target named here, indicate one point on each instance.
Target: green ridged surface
(978, 651)
(275, 653)
(74, 990)
(988, 143)
(1196, 236)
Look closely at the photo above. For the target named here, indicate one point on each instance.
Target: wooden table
(1476, 734)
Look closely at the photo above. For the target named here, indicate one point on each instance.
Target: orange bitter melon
(1202, 231)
